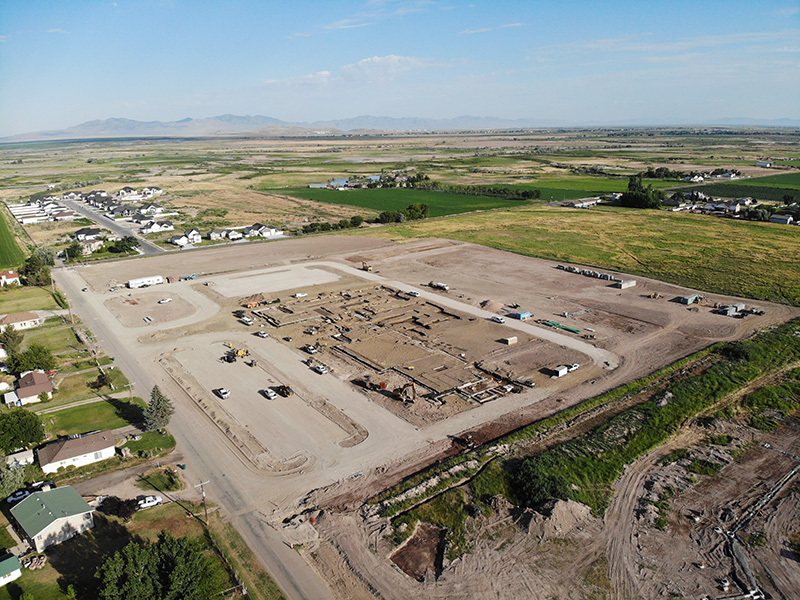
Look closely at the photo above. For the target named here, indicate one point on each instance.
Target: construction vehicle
(366, 267)
(240, 352)
(284, 390)
(403, 393)
(655, 295)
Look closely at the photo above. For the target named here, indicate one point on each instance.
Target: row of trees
(639, 196)
(412, 212)
(351, 223)
(479, 190)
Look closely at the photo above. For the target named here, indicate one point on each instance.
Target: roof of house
(9, 564)
(33, 384)
(70, 448)
(88, 231)
(9, 274)
(19, 317)
(41, 509)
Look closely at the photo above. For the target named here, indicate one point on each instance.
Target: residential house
(63, 215)
(141, 219)
(20, 320)
(87, 233)
(194, 236)
(151, 191)
(694, 178)
(233, 234)
(179, 240)
(259, 230)
(782, 219)
(72, 196)
(123, 210)
(30, 386)
(10, 569)
(9, 278)
(77, 451)
(126, 192)
(50, 517)
(151, 209)
(216, 234)
(89, 247)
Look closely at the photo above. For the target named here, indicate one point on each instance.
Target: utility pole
(203, 492)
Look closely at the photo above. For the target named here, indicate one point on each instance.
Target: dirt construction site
(331, 368)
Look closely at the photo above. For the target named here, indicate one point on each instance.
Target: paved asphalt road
(147, 248)
(206, 456)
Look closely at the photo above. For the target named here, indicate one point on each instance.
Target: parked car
(262, 334)
(310, 349)
(150, 501)
(269, 393)
(413, 293)
(321, 369)
(224, 393)
(573, 367)
(497, 319)
(165, 300)
(17, 496)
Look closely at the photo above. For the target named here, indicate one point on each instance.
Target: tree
(639, 196)
(35, 357)
(74, 251)
(169, 569)
(19, 428)
(35, 271)
(537, 481)
(125, 245)
(158, 412)
(46, 254)
(417, 211)
(788, 199)
(11, 339)
(11, 477)
(356, 221)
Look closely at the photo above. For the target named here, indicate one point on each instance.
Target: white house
(20, 320)
(151, 209)
(9, 278)
(179, 240)
(233, 234)
(78, 451)
(149, 192)
(30, 387)
(193, 235)
(782, 219)
(216, 234)
(10, 569)
(88, 233)
(53, 516)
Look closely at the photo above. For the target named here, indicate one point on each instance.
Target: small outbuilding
(625, 284)
(10, 569)
(560, 371)
(690, 299)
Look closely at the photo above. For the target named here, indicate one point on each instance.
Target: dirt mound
(491, 305)
(558, 518)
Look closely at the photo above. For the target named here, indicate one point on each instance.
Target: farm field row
(11, 255)
(733, 257)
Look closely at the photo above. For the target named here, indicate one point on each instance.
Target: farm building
(145, 281)
(782, 219)
(50, 517)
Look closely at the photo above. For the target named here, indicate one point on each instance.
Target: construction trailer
(625, 284)
(690, 299)
(523, 315)
(509, 341)
(145, 281)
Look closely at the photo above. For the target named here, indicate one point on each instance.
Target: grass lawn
(26, 298)
(76, 387)
(151, 443)
(11, 255)
(741, 258)
(55, 336)
(106, 414)
(159, 480)
(440, 203)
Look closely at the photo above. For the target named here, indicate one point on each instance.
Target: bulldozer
(366, 267)
(403, 393)
(655, 295)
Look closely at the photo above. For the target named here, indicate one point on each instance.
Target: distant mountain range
(259, 125)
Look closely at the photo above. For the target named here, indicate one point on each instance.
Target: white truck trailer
(145, 281)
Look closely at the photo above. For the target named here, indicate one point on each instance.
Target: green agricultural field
(441, 203)
(740, 258)
(25, 298)
(789, 181)
(11, 255)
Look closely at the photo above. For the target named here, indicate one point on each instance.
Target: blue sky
(65, 62)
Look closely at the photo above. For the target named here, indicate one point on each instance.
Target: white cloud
(383, 67)
(347, 24)
(56, 31)
(486, 29)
